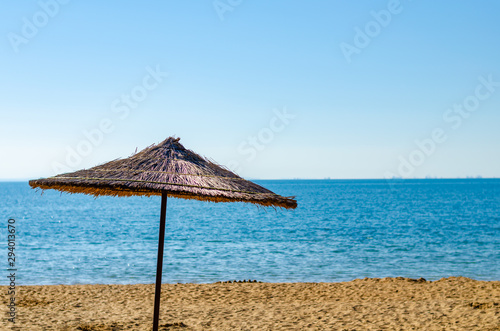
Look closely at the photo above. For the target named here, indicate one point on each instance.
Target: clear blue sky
(273, 89)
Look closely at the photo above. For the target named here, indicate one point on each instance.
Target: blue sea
(341, 230)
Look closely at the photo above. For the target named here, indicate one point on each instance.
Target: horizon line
(324, 178)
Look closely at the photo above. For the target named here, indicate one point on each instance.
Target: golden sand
(368, 304)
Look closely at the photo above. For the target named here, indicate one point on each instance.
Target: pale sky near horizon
(271, 89)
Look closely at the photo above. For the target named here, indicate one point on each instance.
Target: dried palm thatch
(165, 168)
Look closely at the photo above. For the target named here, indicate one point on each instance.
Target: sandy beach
(362, 304)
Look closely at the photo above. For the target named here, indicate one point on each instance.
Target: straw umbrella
(170, 170)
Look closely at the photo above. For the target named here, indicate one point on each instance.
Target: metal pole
(159, 263)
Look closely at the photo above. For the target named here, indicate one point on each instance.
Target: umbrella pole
(159, 263)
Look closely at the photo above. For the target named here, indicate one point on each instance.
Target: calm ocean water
(342, 230)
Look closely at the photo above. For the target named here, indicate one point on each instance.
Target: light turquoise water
(341, 230)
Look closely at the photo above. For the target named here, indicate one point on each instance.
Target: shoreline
(457, 303)
(243, 281)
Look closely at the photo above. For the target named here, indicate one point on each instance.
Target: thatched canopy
(165, 168)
